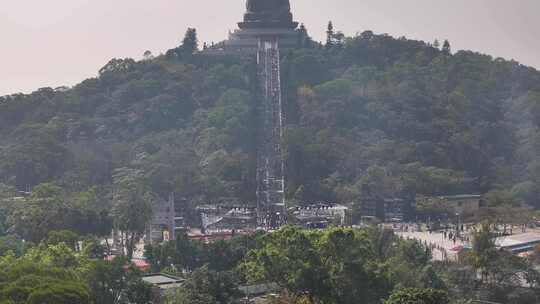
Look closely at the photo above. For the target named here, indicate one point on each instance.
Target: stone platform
(248, 39)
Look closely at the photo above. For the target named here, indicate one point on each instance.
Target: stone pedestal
(248, 39)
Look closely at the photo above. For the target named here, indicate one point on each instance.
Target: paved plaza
(442, 248)
(446, 247)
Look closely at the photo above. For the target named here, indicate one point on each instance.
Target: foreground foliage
(52, 274)
(418, 296)
(337, 265)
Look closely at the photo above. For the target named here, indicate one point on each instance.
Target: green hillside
(400, 115)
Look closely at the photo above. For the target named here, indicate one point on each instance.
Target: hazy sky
(61, 42)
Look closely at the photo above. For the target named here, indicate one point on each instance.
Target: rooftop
(321, 206)
(260, 289)
(461, 197)
(518, 240)
(163, 281)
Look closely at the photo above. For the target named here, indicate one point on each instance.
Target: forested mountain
(396, 114)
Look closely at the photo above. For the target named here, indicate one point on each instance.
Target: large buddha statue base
(247, 39)
(263, 19)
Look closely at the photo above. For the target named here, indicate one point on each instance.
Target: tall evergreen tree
(330, 35)
(303, 37)
(447, 49)
(190, 43)
(132, 208)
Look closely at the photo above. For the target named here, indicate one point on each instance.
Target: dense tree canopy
(419, 296)
(431, 121)
(339, 265)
